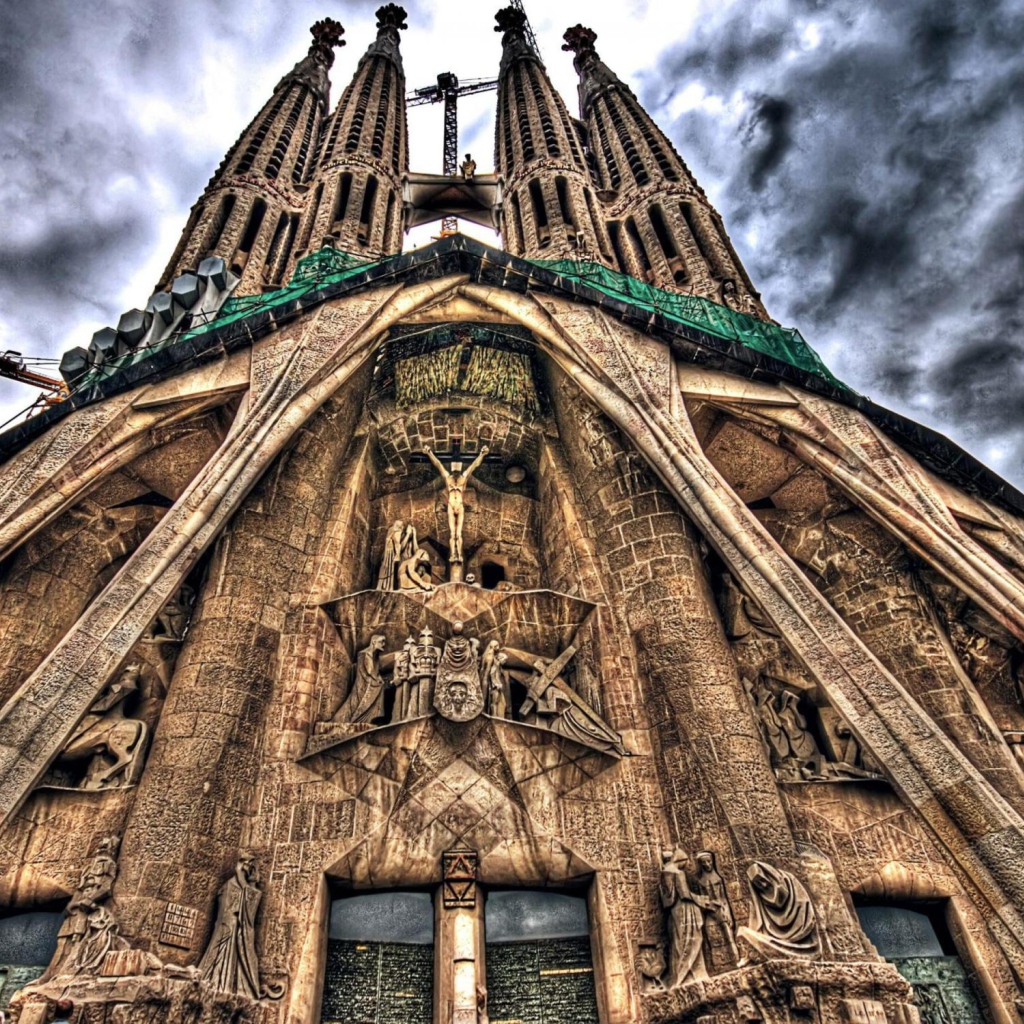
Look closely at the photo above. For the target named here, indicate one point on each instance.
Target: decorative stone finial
(391, 16)
(511, 21)
(580, 40)
(327, 35)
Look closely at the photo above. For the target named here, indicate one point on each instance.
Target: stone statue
(106, 733)
(685, 921)
(365, 701)
(174, 616)
(782, 919)
(230, 964)
(401, 679)
(558, 708)
(499, 698)
(468, 167)
(425, 657)
(414, 572)
(710, 885)
(89, 930)
(456, 483)
(400, 544)
(458, 694)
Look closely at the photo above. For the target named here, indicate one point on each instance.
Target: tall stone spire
(356, 198)
(249, 213)
(661, 224)
(549, 208)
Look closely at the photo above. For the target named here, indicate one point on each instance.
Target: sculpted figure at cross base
(89, 930)
(230, 963)
(414, 572)
(710, 885)
(456, 481)
(782, 918)
(400, 545)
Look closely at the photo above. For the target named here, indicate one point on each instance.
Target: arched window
(668, 246)
(540, 214)
(341, 200)
(366, 215)
(638, 246)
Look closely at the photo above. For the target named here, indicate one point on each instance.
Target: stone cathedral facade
(467, 635)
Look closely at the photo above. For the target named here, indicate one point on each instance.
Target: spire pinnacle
(511, 22)
(327, 35)
(391, 16)
(580, 40)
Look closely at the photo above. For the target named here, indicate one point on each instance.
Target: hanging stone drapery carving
(782, 918)
(230, 964)
(89, 930)
(458, 694)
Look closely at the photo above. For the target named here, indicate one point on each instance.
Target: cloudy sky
(868, 158)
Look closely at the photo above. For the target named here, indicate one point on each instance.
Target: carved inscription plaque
(179, 926)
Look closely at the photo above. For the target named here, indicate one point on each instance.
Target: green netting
(330, 266)
(784, 343)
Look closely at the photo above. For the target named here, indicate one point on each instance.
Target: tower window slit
(252, 229)
(564, 206)
(274, 251)
(332, 137)
(298, 171)
(396, 137)
(285, 138)
(286, 251)
(341, 201)
(650, 135)
(517, 221)
(510, 156)
(615, 236)
(220, 222)
(355, 130)
(366, 215)
(543, 111)
(540, 214)
(636, 164)
(251, 151)
(596, 221)
(661, 230)
(522, 115)
(380, 128)
(638, 245)
(709, 251)
(390, 242)
(614, 177)
(570, 133)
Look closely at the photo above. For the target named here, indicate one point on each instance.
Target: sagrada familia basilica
(535, 635)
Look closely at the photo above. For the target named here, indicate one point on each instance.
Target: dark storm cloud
(87, 168)
(869, 160)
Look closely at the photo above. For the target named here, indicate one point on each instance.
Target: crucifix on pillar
(456, 480)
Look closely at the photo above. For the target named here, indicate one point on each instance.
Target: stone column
(655, 573)
(460, 976)
(198, 791)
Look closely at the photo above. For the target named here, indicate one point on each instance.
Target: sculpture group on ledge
(89, 935)
(460, 681)
(782, 919)
(89, 930)
(793, 750)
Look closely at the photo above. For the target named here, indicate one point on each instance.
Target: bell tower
(662, 227)
(249, 213)
(355, 203)
(549, 209)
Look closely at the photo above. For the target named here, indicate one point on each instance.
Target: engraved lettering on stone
(179, 925)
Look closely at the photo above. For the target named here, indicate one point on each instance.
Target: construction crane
(447, 91)
(14, 366)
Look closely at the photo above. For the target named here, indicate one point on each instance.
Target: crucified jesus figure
(456, 484)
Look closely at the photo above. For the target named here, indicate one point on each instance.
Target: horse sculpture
(105, 733)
